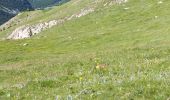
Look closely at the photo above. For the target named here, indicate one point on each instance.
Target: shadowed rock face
(46, 3)
(16, 4)
(4, 17)
(9, 8)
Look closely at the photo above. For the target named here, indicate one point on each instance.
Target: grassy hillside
(59, 12)
(117, 52)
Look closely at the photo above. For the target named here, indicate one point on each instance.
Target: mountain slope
(5, 17)
(9, 9)
(16, 4)
(45, 3)
(120, 51)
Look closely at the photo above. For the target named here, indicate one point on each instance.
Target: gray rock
(28, 31)
(118, 1)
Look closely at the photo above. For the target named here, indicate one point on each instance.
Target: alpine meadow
(85, 50)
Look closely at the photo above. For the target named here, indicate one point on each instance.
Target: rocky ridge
(27, 31)
(120, 1)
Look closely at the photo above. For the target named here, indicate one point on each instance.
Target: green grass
(61, 62)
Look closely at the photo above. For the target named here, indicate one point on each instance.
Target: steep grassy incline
(58, 12)
(117, 52)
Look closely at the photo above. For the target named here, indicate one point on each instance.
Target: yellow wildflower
(80, 78)
(97, 67)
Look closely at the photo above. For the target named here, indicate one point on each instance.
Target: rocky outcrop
(83, 12)
(120, 1)
(29, 30)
